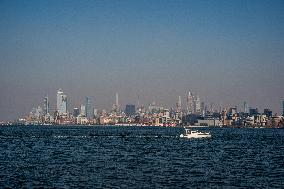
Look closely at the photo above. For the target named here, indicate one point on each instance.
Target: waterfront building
(45, 106)
(82, 120)
(61, 102)
(35, 116)
(129, 110)
(89, 108)
(208, 122)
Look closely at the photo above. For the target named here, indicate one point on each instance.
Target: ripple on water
(139, 157)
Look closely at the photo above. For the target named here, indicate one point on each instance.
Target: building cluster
(194, 112)
(233, 118)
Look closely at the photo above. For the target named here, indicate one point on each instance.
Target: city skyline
(226, 52)
(182, 106)
(193, 112)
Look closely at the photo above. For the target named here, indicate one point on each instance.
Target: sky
(227, 52)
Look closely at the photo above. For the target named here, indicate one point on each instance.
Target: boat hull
(195, 136)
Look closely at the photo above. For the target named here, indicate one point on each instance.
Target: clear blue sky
(226, 51)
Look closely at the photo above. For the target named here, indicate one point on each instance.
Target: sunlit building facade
(61, 102)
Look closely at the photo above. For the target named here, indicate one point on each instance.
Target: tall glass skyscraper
(89, 108)
(61, 102)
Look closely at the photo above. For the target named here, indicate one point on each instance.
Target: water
(139, 157)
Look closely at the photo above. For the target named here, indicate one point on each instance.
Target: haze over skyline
(225, 51)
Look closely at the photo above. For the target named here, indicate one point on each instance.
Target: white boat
(194, 134)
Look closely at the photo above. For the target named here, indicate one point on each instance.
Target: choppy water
(139, 157)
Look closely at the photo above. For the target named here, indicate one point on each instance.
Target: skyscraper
(202, 108)
(95, 112)
(83, 110)
(76, 112)
(246, 108)
(267, 112)
(45, 106)
(138, 102)
(61, 102)
(89, 108)
(38, 112)
(189, 106)
(115, 107)
(179, 112)
(211, 108)
(197, 105)
(116, 100)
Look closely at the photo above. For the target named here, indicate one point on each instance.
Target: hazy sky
(225, 51)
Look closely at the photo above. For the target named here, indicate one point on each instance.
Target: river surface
(139, 157)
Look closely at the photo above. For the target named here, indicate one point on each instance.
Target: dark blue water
(139, 157)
